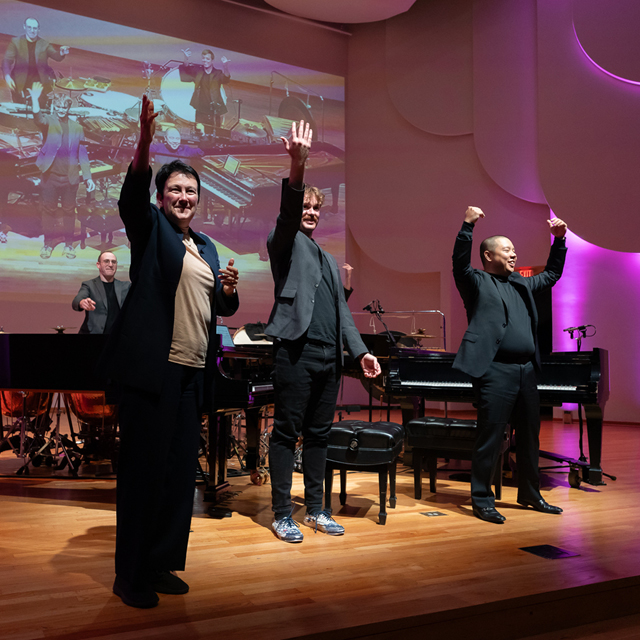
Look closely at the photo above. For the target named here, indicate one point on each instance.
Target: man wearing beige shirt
(162, 355)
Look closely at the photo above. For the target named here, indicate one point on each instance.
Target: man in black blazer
(163, 352)
(27, 61)
(311, 325)
(500, 351)
(101, 298)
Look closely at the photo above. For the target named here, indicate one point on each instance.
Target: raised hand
(35, 91)
(64, 51)
(299, 143)
(187, 52)
(229, 278)
(472, 214)
(557, 227)
(147, 120)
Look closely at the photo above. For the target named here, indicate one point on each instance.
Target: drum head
(177, 95)
(112, 101)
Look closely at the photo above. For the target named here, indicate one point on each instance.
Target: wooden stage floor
(451, 575)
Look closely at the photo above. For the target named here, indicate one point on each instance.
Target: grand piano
(566, 377)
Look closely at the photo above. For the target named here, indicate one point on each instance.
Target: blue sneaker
(323, 522)
(287, 530)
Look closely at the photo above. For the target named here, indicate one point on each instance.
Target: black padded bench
(355, 445)
(432, 438)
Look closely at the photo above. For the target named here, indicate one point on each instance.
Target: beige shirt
(192, 317)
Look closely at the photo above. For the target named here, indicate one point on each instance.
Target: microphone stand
(582, 333)
(374, 308)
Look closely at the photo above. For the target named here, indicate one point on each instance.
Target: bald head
(498, 255)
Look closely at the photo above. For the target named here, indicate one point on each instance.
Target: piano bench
(355, 445)
(432, 438)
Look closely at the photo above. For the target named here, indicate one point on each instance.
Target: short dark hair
(177, 166)
(208, 51)
(31, 18)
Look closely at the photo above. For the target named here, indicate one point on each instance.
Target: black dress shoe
(142, 598)
(488, 514)
(166, 582)
(540, 505)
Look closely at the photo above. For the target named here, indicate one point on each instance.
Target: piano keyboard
(228, 190)
(467, 385)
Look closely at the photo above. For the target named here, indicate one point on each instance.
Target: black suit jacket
(137, 353)
(296, 270)
(95, 321)
(486, 310)
(16, 61)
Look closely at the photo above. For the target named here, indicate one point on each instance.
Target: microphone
(580, 328)
(380, 309)
(369, 307)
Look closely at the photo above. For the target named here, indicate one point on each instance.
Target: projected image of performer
(102, 297)
(26, 62)
(61, 160)
(311, 324)
(207, 97)
(162, 354)
(173, 149)
(500, 352)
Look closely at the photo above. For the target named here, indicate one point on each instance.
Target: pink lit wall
(521, 108)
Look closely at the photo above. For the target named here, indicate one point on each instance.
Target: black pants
(506, 393)
(306, 387)
(58, 188)
(159, 439)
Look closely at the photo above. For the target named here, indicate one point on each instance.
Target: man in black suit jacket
(311, 324)
(26, 61)
(162, 353)
(101, 298)
(500, 351)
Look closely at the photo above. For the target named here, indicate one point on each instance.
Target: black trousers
(159, 439)
(58, 188)
(506, 393)
(306, 385)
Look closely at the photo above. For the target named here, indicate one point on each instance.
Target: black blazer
(95, 321)
(296, 270)
(486, 310)
(137, 352)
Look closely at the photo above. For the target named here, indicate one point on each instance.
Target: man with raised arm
(63, 160)
(500, 352)
(311, 325)
(162, 353)
(207, 97)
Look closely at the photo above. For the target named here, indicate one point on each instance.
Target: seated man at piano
(102, 297)
(500, 352)
(311, 325)
(173, 149)
(163, 353)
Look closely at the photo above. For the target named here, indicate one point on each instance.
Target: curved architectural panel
(589, 138)
(504, 94)
(343, 11)
(608, 34)
(435, 178)
(428, 66)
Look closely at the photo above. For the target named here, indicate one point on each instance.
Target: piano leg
(593, 475)
(219, 432)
